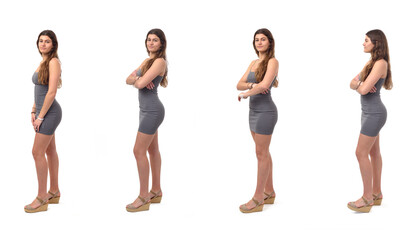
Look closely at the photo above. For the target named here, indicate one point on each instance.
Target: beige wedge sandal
(54, 199)
(157, 198)
(257, 208)
(364, 209)
(269, 199)
(43, 206)
(144, 207)
(377, 199)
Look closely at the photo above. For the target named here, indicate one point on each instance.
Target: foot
(362, 202)
(36, 203)
(269, 194)
(153, 194)
(138, 202)
(251, 204)
(52, 194)
(377, 195)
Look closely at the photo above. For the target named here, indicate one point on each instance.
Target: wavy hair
(161, 53)
(44, 67)
(380, 51)
(270, 53)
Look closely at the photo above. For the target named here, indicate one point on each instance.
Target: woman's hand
(132, 78)
(37, 124)
(150, 86)
(33, 117)
(242, 95)
(373, 90)
(264, 92)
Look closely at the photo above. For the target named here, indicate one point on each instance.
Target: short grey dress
(373, 111)
(263, 113)
(53, 115)
(152, 111)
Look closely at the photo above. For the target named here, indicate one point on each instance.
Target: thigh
(365, 144)
(154, 145)
(262, 141)
(41, 142)
(52, 145)
(143, 141)
(375, 147)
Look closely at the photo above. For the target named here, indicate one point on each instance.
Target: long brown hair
(380, 51)
(161, 53)
(44, 67)
(270, 53)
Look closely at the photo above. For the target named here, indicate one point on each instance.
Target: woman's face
(367, 45)
(45, 44)
(261, 42)
(153, 43)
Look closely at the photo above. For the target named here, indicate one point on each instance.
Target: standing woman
(377, 72)
(45, 117)
(258, 80)
(147, 77)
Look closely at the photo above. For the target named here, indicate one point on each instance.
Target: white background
(209, 164)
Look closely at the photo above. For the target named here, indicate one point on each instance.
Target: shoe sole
(139, 209)
(364, 209)
(39, 209)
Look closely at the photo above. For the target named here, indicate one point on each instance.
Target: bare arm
(243, 84)
(355, 82)
(157, 68)
(54, 76)
(264, 85)
(131, 79)
(379, 70)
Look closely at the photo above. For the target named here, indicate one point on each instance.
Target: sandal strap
(53, 195)
(377, 196)
(256, 202)
(41, 201)
(268, 195)
(155, 194)
(366, 201)
(144, 201)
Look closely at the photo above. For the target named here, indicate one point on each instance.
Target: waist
(262, 103)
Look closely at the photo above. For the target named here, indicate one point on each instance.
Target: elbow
(362, 92)
(138, 85)
(238, 87)
(261, 89)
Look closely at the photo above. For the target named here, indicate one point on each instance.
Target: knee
(361, 154)
(262, 154)
(153, 152)
(51, 152)
(138, 152)
(375, 154)
(37, 154)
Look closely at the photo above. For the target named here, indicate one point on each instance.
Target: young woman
(46, 115)
(377, 72)
(147, 77)
(258, 79)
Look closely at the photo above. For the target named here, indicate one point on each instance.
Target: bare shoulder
(160, 61)
(273, 61)
(381, 62)
(54, 64)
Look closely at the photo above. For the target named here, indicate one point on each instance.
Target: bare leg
(41, 142)
(53, 161)
(269, 182)
(143, 142)
(155, 164)
(262, 143)
(376, 161)
(365, 144)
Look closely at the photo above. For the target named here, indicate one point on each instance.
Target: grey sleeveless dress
(263, 113)
(373, 111)
(152, 111)
(53, 115)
